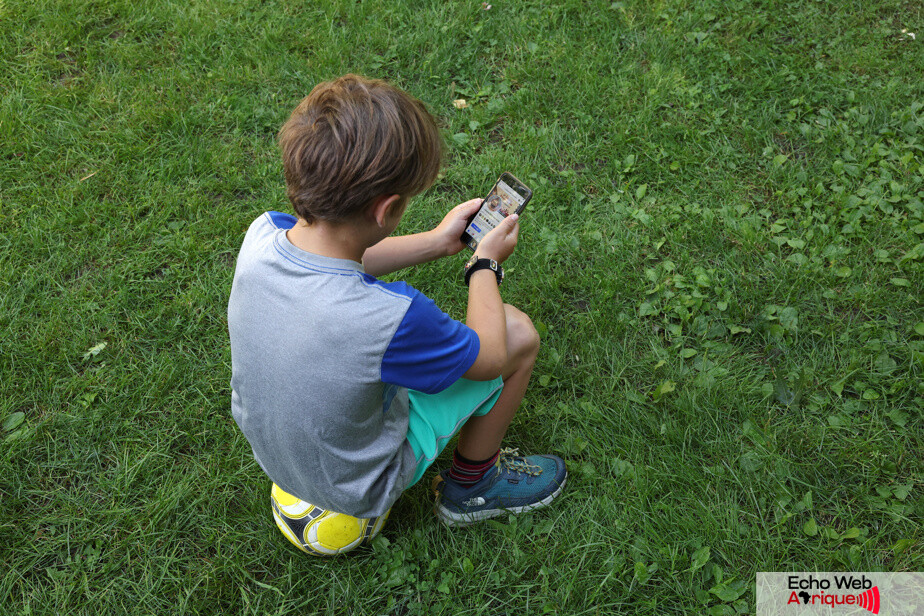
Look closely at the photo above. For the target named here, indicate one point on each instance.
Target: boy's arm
(396, 253)
(485, 308)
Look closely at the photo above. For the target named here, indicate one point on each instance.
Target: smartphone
(509, 196)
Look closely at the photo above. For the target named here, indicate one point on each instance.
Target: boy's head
(352, 140)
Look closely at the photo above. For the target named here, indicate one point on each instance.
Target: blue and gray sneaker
(517, 484)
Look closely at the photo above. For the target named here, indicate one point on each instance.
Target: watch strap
(479, 264)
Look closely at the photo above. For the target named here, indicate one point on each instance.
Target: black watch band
(474, 264)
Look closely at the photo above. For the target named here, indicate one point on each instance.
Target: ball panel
(283, 498)
(292, 506)
(375, 525)
(287, 532)
(335, 532)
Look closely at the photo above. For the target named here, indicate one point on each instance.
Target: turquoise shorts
(436, 418)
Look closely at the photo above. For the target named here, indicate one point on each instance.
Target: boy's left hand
(449, 232)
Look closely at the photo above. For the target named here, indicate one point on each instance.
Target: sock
(467, 472)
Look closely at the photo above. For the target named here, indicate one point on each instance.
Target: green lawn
(724, 256)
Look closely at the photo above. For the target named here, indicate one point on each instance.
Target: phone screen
(501, 202)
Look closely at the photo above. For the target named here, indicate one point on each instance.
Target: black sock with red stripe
(467, 472)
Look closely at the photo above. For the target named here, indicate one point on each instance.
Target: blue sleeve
(430, 351)
(282, 221)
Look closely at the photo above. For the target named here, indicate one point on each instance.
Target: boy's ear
(383, 207)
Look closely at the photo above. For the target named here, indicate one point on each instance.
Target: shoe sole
(452, 519)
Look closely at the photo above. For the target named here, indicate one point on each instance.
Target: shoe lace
(511, 459)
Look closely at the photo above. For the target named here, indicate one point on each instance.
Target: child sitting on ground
(346, 387)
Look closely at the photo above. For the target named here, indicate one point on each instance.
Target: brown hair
(352, 140)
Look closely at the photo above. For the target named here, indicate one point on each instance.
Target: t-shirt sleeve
(429, 351)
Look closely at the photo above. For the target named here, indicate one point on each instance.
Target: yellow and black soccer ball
(319, 531)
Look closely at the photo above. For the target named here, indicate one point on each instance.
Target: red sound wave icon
(870, 600)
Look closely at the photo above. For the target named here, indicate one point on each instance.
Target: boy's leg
(484, 482)
(481, 436)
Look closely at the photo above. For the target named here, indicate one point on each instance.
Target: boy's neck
(339, 241)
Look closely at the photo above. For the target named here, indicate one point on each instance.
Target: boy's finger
(470, 205)
(510, 227)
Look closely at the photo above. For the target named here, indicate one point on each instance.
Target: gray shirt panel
(307, 337)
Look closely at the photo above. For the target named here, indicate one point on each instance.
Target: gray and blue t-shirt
(322, 355)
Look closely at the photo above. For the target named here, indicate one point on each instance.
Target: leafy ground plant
(723, 257)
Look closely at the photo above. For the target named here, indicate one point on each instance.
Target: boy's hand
(500, 241)
(449, 232)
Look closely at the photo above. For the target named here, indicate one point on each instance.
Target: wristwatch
(475, 263)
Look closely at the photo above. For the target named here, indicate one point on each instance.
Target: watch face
(471, 262)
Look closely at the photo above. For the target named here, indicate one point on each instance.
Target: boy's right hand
(499, 243)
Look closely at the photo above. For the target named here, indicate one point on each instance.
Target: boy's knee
(522, 337)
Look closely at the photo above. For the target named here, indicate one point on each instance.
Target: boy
(346, 387)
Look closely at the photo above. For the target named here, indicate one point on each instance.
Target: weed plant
(723, 257)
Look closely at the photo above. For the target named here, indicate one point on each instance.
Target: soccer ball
(319, 531)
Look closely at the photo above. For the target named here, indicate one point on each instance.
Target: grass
(723, 257)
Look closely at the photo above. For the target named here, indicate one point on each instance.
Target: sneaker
(516, 484)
